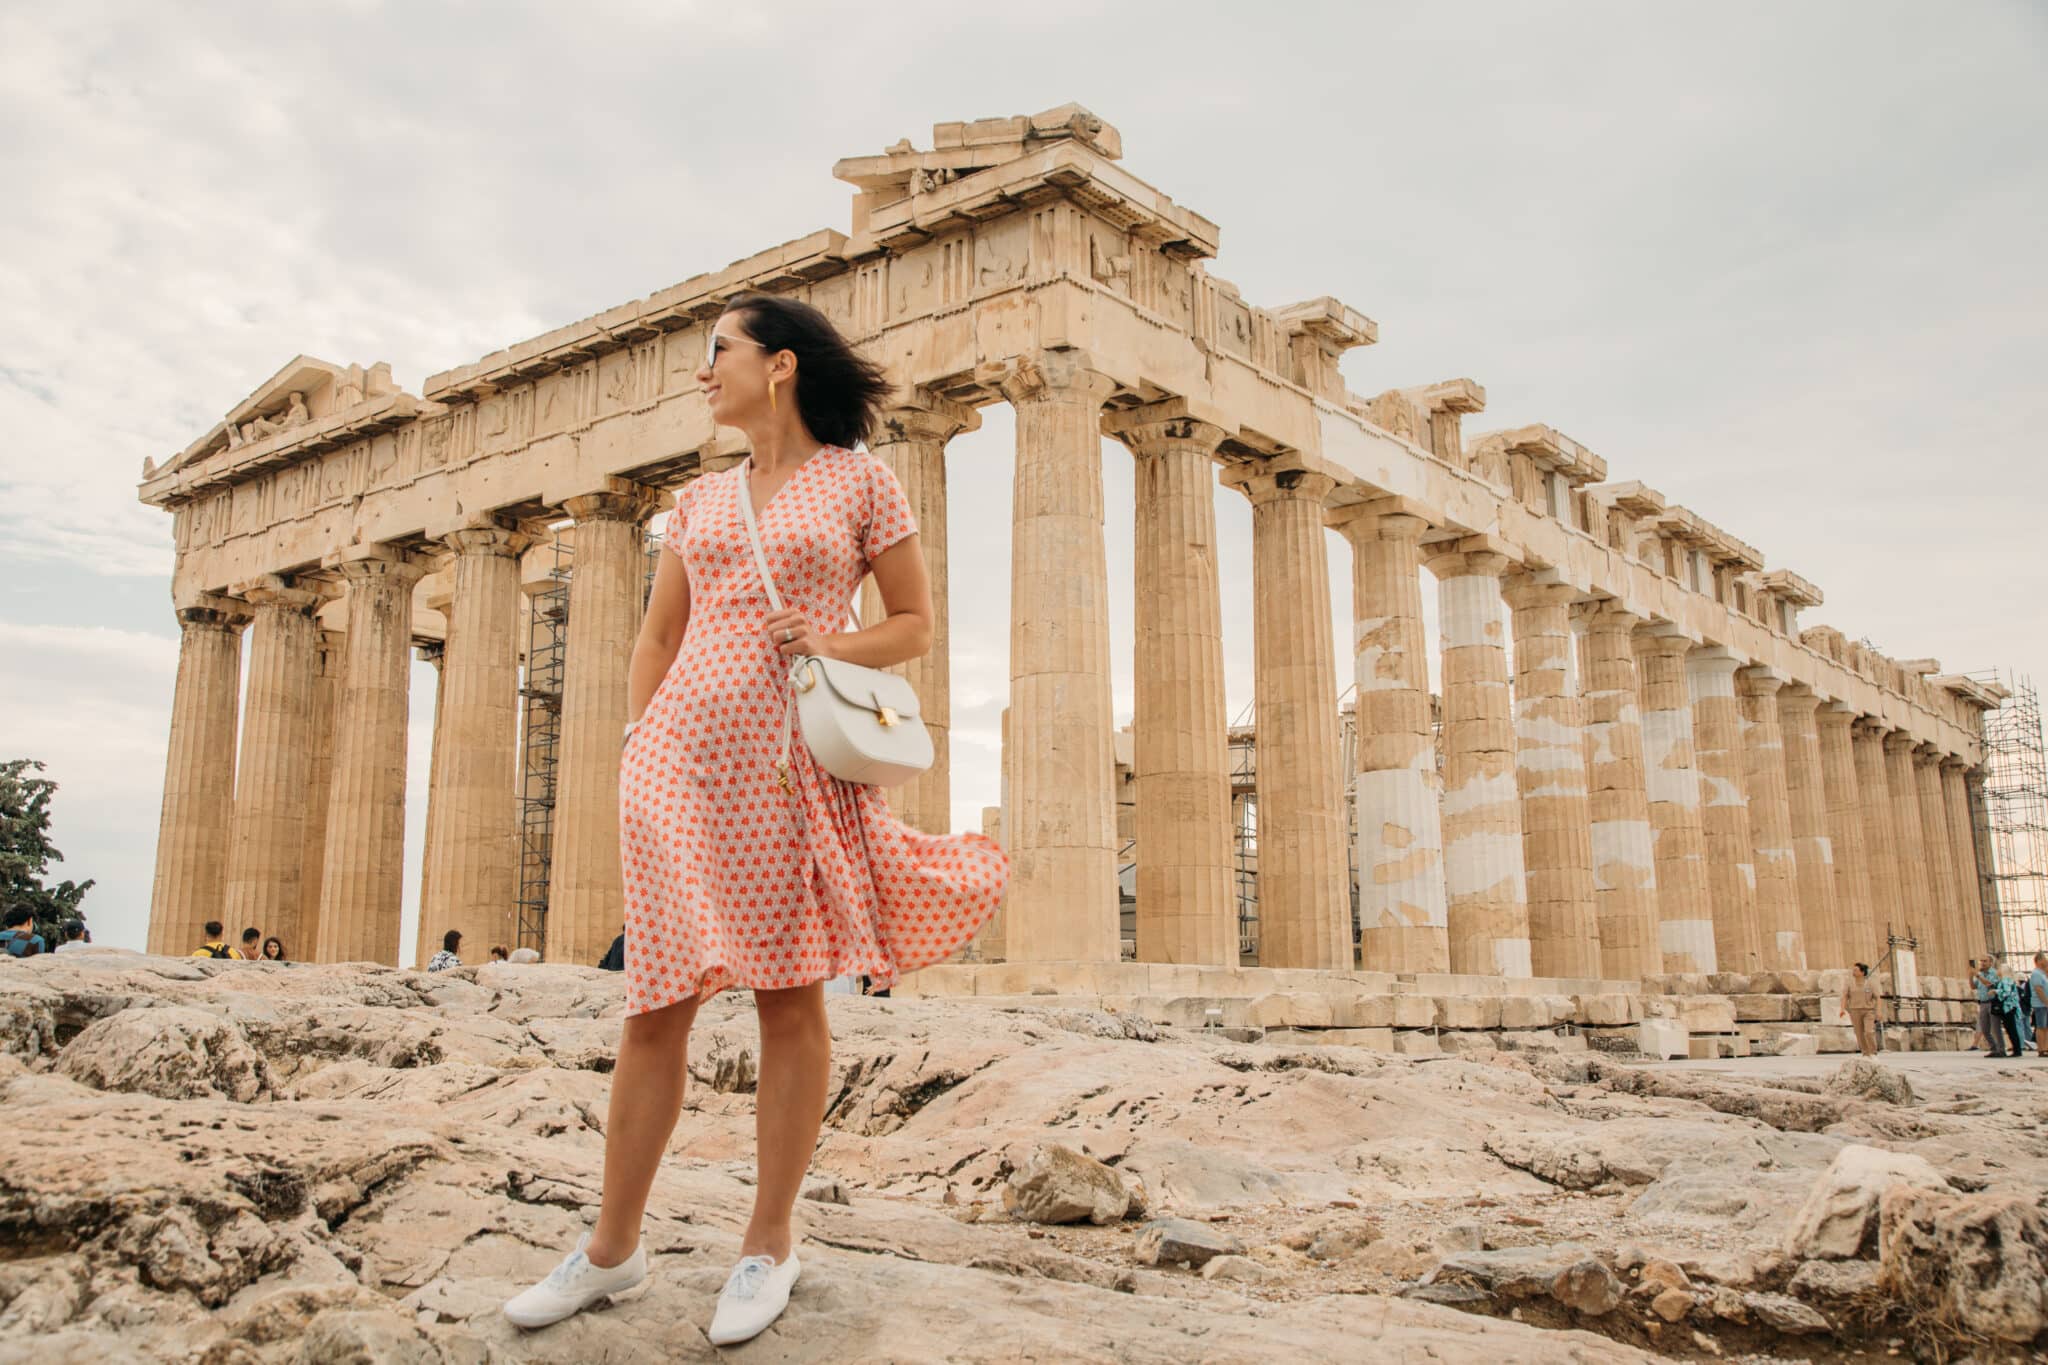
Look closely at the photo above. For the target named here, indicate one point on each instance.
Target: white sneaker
(574, 1285)
(754, 1296)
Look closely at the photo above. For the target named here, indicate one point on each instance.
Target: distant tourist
(273, 949)
(524, 955)
(1985, 979)
(216, 944)
(2005, 998)
(20, 938)
(252, 944)
(75, 937)
(2037, 996)
(451, 943)
(498, 953)
(614, 959)
(1859, 998)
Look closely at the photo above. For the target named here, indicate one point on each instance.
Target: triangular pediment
(304, 391)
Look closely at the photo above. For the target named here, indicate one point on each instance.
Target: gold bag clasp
(886, 716)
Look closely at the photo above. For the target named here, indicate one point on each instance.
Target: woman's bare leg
(789, 1108)
(647, 1096)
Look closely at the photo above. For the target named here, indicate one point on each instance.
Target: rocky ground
(233, 1163)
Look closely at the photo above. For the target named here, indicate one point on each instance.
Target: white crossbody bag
(861, 724)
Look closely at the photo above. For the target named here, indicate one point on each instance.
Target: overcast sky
(1782, 262)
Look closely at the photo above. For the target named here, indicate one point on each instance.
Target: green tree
(26, 852)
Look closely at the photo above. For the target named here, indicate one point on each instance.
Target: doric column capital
(1950, 761)
(1524, 589)
(284, 594)
(1605, 615)
(1714, 662)
(220, 613)
(1263, 486)
(1160, 428)
(924, 416)
(1055, 377)
(1926, 755)
(1898, 741)
(366, 563)
(1758, 681)
(488, 540)
(1798, 697)
(1468, 558)
(618, 500)
(1388, 518)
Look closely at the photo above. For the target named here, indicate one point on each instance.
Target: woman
(273, 949)
(2008, 1004)
(451, 944)
(498, 953)
(1859, 998)
(731, 879)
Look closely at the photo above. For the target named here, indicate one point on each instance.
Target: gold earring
(771, 395)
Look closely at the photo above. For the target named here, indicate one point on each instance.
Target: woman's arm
(906, 630)
(661, 633)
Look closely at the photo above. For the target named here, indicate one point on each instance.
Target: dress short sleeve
(888, 511)
(672, 529)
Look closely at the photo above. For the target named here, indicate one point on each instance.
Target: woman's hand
(791, 634)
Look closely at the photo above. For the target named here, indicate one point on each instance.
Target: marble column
(199, 778)
(1767, 787)
(474, 848)
(1550, 769)
(268, 834)
(332, 655)
(1624, 850)
(607, 597)
(1483, 869)
(1813, 853)
(1403, 921)
(1945, 956)
(434, 653)
(1962, 849)
(363, 870)
(1880, 843)
(1685, 922)
(911, 439)
(1061, 756)
(1724, 809)
(1180, 745)
(1848, 835)
(1916, 890)
(1304, 868)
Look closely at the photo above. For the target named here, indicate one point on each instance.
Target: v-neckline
(747, 480)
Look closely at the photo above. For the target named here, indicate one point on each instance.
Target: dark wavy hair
(837, 388)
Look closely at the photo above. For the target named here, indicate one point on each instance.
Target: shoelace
(561, 1275)
(747, 1277)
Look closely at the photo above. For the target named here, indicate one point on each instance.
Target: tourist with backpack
(19, 938)
(216, 944)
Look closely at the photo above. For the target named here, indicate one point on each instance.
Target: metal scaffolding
(2009, 808)
(540, 692)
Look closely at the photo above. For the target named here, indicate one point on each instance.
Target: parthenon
(1646, 765)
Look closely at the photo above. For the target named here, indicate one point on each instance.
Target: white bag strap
(746, 496)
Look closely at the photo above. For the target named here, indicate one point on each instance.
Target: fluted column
(1848, 837)
(363, 870)
(473, 849)
(1624, 850)
(268, 835)
(1724, 809)
(1880, 843)
(1813, 854)
(1770, 822)
(1962, 851)
(607, 597)
(199, 778)
(332, 657)
(1062, 763)
(1402, 912)
(1550, 769)
(1916, 889)
(1304, 871)
(1483, 869)
(1180, 744)
(911, 439)
(1671, 779)
(1944, 956)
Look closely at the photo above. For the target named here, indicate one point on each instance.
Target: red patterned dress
(729, 880)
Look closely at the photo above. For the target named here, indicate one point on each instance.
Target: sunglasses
(718, 343)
